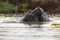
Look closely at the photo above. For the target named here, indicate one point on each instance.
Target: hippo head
(35, 15)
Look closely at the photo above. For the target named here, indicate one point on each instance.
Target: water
(20, 31)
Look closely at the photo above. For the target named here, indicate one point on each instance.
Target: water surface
(21, 31)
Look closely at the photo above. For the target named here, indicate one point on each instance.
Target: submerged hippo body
(35, 15)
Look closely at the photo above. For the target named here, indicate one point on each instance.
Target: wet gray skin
(36, 15)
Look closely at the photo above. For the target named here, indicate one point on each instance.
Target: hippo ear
(27, 13)
(38, 9)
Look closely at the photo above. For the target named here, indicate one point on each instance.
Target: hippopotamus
(35, 15)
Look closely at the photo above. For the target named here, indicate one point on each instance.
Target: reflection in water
(20, 31)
